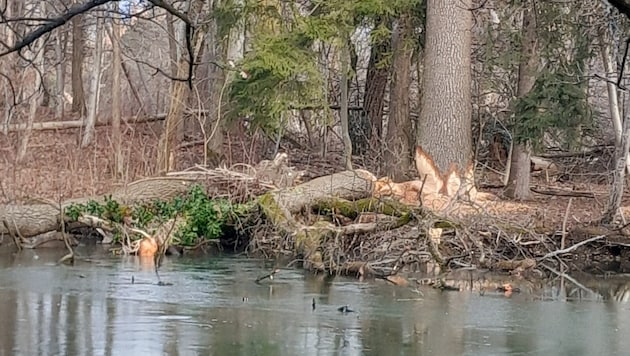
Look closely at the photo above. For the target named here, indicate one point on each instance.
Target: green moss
(271, 209)
(203, 218)
(352, 209)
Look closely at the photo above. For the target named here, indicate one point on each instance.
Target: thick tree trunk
(358, 124)
(400, 139)
(32, 220)
(78, 94)
(519, 173)
(444, 153)
(95, 87)
(376, 83)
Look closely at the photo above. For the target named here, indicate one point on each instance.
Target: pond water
(213, 307)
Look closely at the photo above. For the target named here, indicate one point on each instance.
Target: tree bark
(616, 190)
(376, 83)
(358, 124)
(178, 99)
(399, 136)
(213, 79)
(343, 102)
(34, 72)
(78, 94)
(35, 219)
(60, 75)
(116, 99)
(613, 99)
(519, 173)
(9, 66)
(90, 120)
(444, 153)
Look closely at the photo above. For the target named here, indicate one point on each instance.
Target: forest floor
(56, 168)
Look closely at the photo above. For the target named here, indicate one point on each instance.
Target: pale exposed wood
(445, 154)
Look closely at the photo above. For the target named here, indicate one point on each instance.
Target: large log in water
(35, 219)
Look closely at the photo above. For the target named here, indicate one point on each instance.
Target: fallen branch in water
(569, 278)
(270, 275)
(17, 238)
(569, 249)
(66, 240)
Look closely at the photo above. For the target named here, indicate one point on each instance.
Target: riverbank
(493, 233)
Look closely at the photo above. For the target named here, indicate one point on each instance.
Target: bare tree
(60, 76)
(78, 94)
(116, 97)
(179, 97)
(32, 76)
(90, 120)
(616, 191)
(519, 172)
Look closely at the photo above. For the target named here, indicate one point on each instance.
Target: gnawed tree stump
(34, 219)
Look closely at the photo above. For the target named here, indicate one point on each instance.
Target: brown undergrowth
(474, 233)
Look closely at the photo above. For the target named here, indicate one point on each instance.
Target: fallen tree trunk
(35, 219)
(349, 185)
(74, 124)
(323, 244)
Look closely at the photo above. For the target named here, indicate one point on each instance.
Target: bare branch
(78, 9)
(172, 10)
(53, 24)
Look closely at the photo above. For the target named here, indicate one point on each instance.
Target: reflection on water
(214, 308)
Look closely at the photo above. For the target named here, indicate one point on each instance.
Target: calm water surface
(92, 308)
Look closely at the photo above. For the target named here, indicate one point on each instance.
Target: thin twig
(569, 249)
(569, 278)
